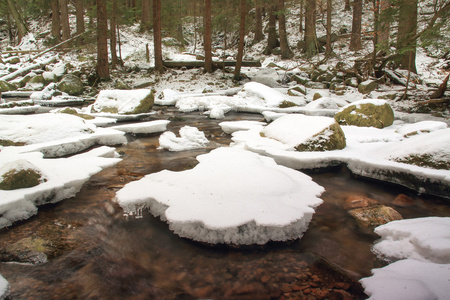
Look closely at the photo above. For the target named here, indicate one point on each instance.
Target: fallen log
(441, 90)
(28, 69)
(201, 63)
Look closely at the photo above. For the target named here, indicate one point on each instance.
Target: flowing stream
(97, 253)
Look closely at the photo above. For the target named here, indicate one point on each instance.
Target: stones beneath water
(371, 217)
(366, 113)
(357, 201)
(403, 200)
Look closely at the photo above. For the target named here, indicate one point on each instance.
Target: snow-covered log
(28, 69)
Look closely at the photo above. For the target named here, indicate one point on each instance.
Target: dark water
(99, 254)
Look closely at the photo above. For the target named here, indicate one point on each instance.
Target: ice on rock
(409, 279)
(232, 196)
(64, 178)
(424, 239)
(190, 138)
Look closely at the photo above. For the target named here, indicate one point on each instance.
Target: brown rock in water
(370, 217)
(403, 201)
(357, 201)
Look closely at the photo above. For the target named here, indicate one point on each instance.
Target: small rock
(357, 201)
(403, 201)
(370, 217)
(367, 86)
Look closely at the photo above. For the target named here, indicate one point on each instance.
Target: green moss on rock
(145, 105)
(72, 111)
(71, 85)
(286, 104)
(366, 115)
(6, 143)
(19, 179)
(331, 138)
(425, 160)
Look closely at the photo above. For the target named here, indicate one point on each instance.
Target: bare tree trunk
(286, 52)
(259, 36)
(237, 69)
(407, 27)
(21, 26)
(56, 21)
(355, 41)
(328, 50)
(310, 28)
(157, 35)
(64, 19)
(347, 5)
(145, 16)
(102, 41)
(301, 16)
(80, 16)
(113, 40)
(383, 37)
(272, 40)
(207, 37)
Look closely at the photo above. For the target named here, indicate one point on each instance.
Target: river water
(100, 254)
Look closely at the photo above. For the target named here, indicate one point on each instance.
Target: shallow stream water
(100, 254)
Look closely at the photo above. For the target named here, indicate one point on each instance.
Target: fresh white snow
(422, 248)
(190, 138)
(4, 287)
(125, 101)
(232, 196)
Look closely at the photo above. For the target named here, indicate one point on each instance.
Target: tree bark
(347, 5)
(80, 16)
(157, 35)
(64, 19)
(145, 16)
(259, 36)
(328, 50)
(384, 27)
(207, 37)
(407, 27)
(237, 69)
(310, 28)
(113, 40)
(272, 40)
(286, 52)
(56, 21)
(355, 40)
(102, 41)
(21, 25)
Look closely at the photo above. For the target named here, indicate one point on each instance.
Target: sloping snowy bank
(232, 196)
(423, 271)
(61, 178)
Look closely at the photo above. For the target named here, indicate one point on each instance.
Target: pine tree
(64, 10)
(56, 21)
(207, 37)
(157, 35)
(102, 41)
(286, 52)
(355, 40)
(310, 28)
(237, 70)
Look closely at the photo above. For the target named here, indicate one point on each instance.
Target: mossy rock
(37, 79)
(145, 106)
(72, 111)
(300, 79)
(317, 96)
(6, 86)
(297, 90)
(286, 104)
(6, 143)
(331, 138)
(71, 85)
(366, 114)
(371, 217)
(425, 160)
(367, 86)
(19, 179)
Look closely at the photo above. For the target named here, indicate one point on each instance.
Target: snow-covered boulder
(232, 196)
(367, 113)
(19, 174)
(270, 96)
(367, 86)
(190, 138)
(306, 133)
(49, 77)
(124, 101)
(71, 85)
(267, 76)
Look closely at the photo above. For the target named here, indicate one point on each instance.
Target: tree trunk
(301, 17)
(157, 35)
(286, 52)
(56, 21)
(237, 70)
(207, 37)
(102, 41)
(355, 40)
(328, 50)
(64, 19)
(145, 16)
(347, 5)
(383, 37)
(80, 16)
(407, 27)
(21, 25)
(259, 36)
(113, 41)
(310, 28)
(272, 40)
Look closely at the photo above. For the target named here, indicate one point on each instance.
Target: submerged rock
(366, 113)
(371, 217)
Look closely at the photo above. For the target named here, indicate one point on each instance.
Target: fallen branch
(201, 63)
(28, 69)
(441, 90)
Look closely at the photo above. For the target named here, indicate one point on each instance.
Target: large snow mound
(409, 279)
(424, 239)
(232, 196)
(64, 178)
(123, 101)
